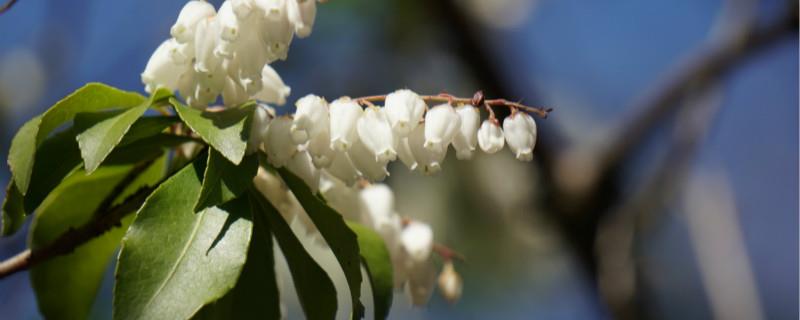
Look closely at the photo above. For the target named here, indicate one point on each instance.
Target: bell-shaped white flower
(490, 137)
(466, 138)
(301, 14)
(277, 30)
(364, 161)
(319, 146)
(193, 12)
(375, 133)
(262, 115)
(199, 90)
(520, 133)
(429, 162)
(344, 114)
(233, 94)
(278, 145)
(229, 22)
(377, 202)
(310, 118)
(421, 281)
(404, 109)
(161, 71)
(441, 124)
(300, 164)
(242, 8)
(450, 283)
(206, 39)
(417, 241)
(405, 154)
(273, 89)
(342, 168)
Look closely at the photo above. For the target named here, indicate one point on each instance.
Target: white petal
(341, 197)
(490, 137)
(233, 94)
(520, 133)
(161, 70)
(417, 241)
(377, 203)
(278, 145)
(405, 154)
(365, 162)
(262, 115)
(273, 90)
(229, 22)
(450, 283)
(441, 125)
(310, 118)
(192, 12)
(205, 42)
(428, 162)
(342, 168)
(301, 14)
(421, 280)
(344, 114)
(301, 165)
(404, 109)
(466, 138)
(376, 134)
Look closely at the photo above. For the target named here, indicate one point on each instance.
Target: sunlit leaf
(226, 131)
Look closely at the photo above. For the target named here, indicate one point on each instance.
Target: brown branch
(6, 6)
(477, 100)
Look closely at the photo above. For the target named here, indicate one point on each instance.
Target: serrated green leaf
(256, 293)
(340, 238)
(378, 263)
(173, 261)
(97, 141)
(226, 131)
(224, 181)
(91, 97)
(66, 286)
(314, 288)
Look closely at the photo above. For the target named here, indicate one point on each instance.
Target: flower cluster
(228, 52)
(350, 142)
(410, 243)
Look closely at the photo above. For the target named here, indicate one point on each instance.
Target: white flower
(375, 133)
(300, 164)
(427, 161)
(377, 201)
(341, 197)
(441, 125)
(520, 132)
(273, 90)
(405, 154)
(319, 146)
(404, 109)
(229, 22)
(344, 114)
(277, 30)
(242, 8)
(490, 137)
(161, 71)
(278, 145)
(342, 168)
(421, 280)
(450, 283)
(193, 12)
(466, 137)
(417, 241)
(262, 115)
(310, 118)
(364, 161)
(206, 39)
(301, 14)
(233, 94)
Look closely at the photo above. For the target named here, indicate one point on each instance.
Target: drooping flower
(490, 137)
(466, 138)
(404, 110)
(520, 133)
(441, 124)
(344, 114)
(375, 132)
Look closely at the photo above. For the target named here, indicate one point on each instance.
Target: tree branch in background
(6, 6)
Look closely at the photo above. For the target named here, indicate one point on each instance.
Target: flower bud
(193, 12)
(404, 109)
(466, 137)
(364, 161)
(450, 283)
(342, 168)
(375, 133)
(278, 145)
(300, 164)
(344, 114)
(520, 132)
(427, 161)
(310, 118)
(441, 125)
(161, 71)
(490, 137)
(301, 14)
(273, 90)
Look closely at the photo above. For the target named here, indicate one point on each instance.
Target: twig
(476, 100)
(7, 6)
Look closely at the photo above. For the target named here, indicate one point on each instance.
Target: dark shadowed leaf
(315, 290)
(226, 131)
(13, 210)
(224, 180)
(174, 261)
(339, 237)
(378, 262)
(66, 286)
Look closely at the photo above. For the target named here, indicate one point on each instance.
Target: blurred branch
(6, 6)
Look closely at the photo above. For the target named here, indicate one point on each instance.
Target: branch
(106, 217)
(7, 6)
(477, 100)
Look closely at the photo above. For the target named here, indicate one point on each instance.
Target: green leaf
(91, 97)
(97, 141)
(315, 290)
(174, 261)
(13, 210)
(341, 239)
(226, 131)
(66, 286)
(256, 293)
(224, 180)
(147, 127)
(378, 263)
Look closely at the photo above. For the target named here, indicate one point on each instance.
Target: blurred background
(664, 185)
